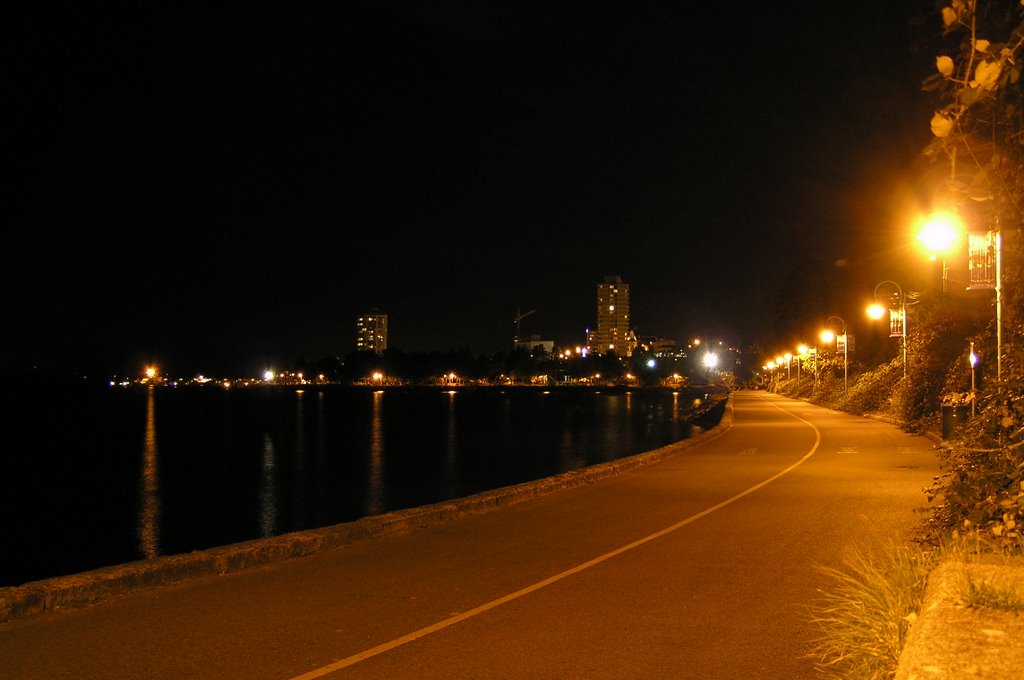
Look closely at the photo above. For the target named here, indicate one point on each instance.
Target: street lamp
(940, 234)
(876, 311)
(827, 336)
(801, 353)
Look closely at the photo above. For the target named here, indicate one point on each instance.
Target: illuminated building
(372, 332)
(613, 332)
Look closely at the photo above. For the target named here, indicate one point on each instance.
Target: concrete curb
(91, 587)
(950, 640)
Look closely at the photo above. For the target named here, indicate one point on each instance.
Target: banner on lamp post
(896, 322)
(981, 260)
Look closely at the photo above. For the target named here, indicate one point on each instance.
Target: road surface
(703, 565)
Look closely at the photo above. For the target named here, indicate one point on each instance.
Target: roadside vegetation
(977, 503)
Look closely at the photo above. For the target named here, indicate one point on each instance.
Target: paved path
(700, 566)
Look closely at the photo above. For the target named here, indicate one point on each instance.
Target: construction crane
(519, 317)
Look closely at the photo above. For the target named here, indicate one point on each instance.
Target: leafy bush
(982, 491)
(872, 391)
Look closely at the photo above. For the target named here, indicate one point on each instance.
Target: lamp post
(828, 336)
(973, 358)
(875, 311)
(940, 234)
(999, 303)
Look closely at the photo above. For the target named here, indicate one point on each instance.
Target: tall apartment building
(372, 331)
(613, 330)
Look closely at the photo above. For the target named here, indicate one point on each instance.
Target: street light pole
(973, 358)
(846, 352)
(903, 315)
(999, 303)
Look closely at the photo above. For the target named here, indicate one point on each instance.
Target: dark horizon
(223, 191)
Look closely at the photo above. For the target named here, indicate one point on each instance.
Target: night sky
(222, 191)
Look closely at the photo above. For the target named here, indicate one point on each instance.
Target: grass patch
(976, 590)
(865, 611)
(984, 593)
(862, 619)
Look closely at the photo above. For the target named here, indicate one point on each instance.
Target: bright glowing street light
(710, 360)
(940, 234)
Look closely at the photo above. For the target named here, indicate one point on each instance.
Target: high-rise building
(612, 318)
(372, 332)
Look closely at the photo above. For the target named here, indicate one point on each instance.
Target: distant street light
(877, 311)
(827, 336)
(801, 354)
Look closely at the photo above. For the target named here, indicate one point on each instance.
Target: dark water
(95, 476)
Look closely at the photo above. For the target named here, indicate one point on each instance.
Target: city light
(710, 360)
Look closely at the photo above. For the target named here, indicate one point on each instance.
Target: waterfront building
(372, 332)
(659, 346)
(535, 344)
(613, 332)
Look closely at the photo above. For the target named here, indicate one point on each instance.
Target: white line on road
(452, 620)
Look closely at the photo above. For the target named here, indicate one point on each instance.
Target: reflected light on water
(451, 448)
(297, 497)
(375, 481)
(149, 487)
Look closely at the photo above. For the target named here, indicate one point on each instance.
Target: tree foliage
(978, 126)
(979, 132)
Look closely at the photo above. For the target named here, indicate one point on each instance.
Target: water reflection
(298, 497)
(451, 448)
(612, 413)
(229, 465)
(149, 487)
(375, 481)
(268, 489)
(568, 450)
(320, 476)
